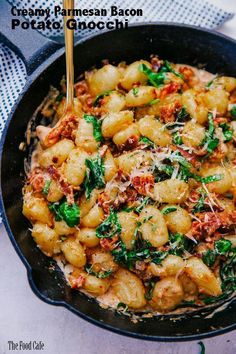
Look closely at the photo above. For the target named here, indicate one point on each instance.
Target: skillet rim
(30, 79)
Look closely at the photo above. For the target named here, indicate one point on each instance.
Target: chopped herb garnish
(213, 178)
(156, 79)
(46, 187)
(100, 275)
(227, 132)
(200, 204)
(152, 102)
(168, 210)
(146, 141)
(135, 91)
(139, 208)
(177, 140)
(70, 213)
(100, 96)
(96, 126)
(109, 227)
(94, 177)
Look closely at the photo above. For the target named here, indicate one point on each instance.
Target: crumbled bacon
(104, 202)
(209, 222)
(108, 243)
(81, 88)
(37, 179)
(130, 143)
(63, 129)
(66, 188)
(189, 156)
(187, 72)
(169, 88)
(77, 282)
(167, 111)
(143, 184)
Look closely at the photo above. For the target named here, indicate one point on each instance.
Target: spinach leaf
(46, 187)
(70, 213)
(109, 227)
(209, 258)
(96, 126)
(168, 67)
(152, 102)
(200, 203)
(100, 96)
(223, 246)
(182, 115)
(156, 79)
(210, 140)
(233, 111)
(149, 289)
(179, 243)
(94, 177)
(227, 132)
(209, 179)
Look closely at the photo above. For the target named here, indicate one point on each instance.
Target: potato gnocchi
(134, 189)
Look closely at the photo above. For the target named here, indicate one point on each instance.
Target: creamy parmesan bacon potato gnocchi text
(134, 190)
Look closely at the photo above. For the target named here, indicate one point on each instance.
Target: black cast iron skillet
(178, 43)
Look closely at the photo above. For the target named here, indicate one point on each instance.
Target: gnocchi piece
(132, 75)
(171, 265)
(102, 261)
(127, 135)
(87, 204)
(226, 203)
(56, 154)
(75, 168)
(202, 276)
(154, 130)
(178, 221)
(46, 238)
(193, 134)
(62, 229)
(54, 192)
(167, 294)
(153, 227)
(84, 137)
(140, 96)
(103, 79)
(110, 166)
(221, 186)
(115, 122)
(228, 83)
(96, 286)
(217, 99)
(74, 252)
(195, 106)
(36, 209)
(93, 218)
(128, 222)
(87, 237)
(190, 288)
(129, 289)
(171, 191)
(114, 102)
(128, 161)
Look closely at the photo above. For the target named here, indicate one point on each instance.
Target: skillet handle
(32, 47)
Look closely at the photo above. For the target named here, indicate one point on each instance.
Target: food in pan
(133, 192)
